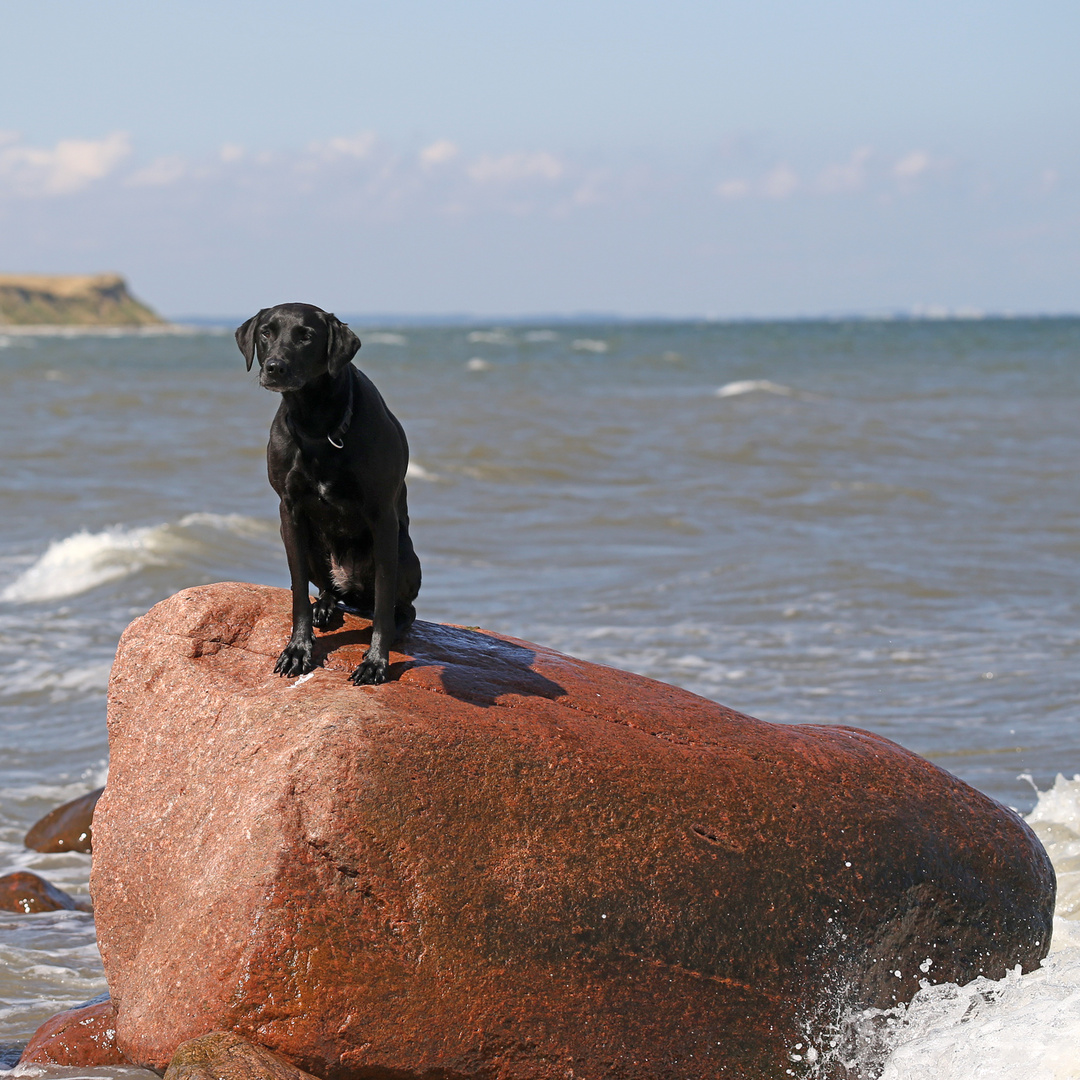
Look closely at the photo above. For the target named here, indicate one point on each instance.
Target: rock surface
(85, 1037)
(67, 828)
(510, 863)
(224, 1055)
(71, 300)
(28, 893)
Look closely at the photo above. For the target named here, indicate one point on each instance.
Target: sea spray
(1021, 1027)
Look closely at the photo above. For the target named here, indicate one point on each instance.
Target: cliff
(71, 300)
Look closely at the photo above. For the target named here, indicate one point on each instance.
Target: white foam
(750, 386)
(1056, 821)
(416, 471)
(541, 335)
(86, 560)
(381, 338)
(490, 337)
(26, 676)
(593, 345)
(1022, 1027)
(477, 363)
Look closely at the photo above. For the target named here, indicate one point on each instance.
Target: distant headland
(99, 300)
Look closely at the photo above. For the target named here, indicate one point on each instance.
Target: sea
(864, 522)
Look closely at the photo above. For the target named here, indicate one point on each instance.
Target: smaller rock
(224, 1055)
(28, 893)
(67, 828)
(85, 1037)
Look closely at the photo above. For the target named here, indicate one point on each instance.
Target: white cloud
(848, 175)
(69, 166)
(733, 189)
(160, 172)
(231, 152)
(542, 165)
(351, 146)
(781, 182)
(438, 153)
(912, 165)
(589, 193)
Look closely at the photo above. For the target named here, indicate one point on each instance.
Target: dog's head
(295, 343)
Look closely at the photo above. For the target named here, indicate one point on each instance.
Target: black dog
(337, 458)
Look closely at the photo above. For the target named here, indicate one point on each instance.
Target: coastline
(87, 330)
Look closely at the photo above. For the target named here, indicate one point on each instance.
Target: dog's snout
(274, 366)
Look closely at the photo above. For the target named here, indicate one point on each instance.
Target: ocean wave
(7, 341)
(381, 338)
(490, 337)
(750, 386)
(593, 345)
(416, 471)
(27, 676)
(85, 560)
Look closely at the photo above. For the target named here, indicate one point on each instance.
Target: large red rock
(510, 863)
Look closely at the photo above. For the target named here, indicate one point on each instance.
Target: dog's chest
(332, 501)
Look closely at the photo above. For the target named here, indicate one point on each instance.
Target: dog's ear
(245, 336)
(341, 344)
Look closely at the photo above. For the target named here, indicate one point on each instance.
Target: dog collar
(336, 438)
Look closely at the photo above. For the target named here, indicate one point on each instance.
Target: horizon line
(458, 318)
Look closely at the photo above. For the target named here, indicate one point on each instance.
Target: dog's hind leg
(375, 666)
(408, 574)
(325, 610)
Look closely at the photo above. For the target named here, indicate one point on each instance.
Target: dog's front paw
(371, 672)
(295, 659)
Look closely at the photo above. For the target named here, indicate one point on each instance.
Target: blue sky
(720, 159)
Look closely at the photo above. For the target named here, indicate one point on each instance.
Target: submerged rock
(67, 828)
(507, 862)
(224, 1055)
(85, 1037)
(28, 893)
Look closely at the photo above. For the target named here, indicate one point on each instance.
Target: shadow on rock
(470, 665)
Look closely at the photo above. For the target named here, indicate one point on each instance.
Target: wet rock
(85, 1037)
(224, 1055)
(507, 862)
(28, 893)
(67, 828)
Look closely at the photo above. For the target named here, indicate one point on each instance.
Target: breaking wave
(1022, 1027)
(750, 386)
(86, 560)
